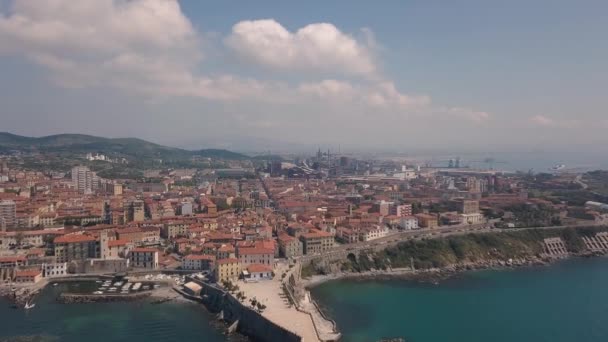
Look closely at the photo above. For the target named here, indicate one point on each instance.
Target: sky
(469, 75)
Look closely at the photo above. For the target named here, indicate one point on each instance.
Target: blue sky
(395, 75)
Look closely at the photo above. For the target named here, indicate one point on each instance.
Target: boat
(118, 284)
(146, 287)
(558, 167)
(97, 292)
(55, 284)
(136, 287)
(29, 306)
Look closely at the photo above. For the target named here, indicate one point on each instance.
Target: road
(401, 236)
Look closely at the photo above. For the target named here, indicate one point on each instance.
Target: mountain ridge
(83, 143)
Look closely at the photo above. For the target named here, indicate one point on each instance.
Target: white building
(472, 218)
(372, 233)
(84, 180)
(55, 270)
(409, 222)
(8, 214)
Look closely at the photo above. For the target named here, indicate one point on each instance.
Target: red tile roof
(74, 238)
(255, 268)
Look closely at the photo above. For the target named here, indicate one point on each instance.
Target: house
(75, 247)
(347, 235)
(144, 258)
(255, 272)
(317, 241)
(227, 269)
(372, 233)
(409, 223)
(289, 246)
(54, 270)
(427, 221)
(198, 262)
(256, 255)
(28, 276)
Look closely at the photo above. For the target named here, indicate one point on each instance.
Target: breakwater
(242, 318)
(71, 298)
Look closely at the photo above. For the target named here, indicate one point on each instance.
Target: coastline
(435, 275)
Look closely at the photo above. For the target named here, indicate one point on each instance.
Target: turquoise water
(105, 322)
(567, 301)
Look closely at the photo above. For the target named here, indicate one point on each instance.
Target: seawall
(250, 323)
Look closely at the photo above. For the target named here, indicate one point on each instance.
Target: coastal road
(401, 236)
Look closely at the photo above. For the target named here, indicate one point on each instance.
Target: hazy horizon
(407, 76)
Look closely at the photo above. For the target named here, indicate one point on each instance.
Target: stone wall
(250, 322)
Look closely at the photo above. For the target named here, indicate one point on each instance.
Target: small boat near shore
(29, 306)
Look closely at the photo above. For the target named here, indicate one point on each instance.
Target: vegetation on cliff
(454, 250)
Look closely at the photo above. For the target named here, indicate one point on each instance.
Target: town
(247, 228)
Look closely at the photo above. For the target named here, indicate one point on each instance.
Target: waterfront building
(256, 272)
(227, 269)
(74, 247)
(28, 276)
(317, 241)
(144, 258)
(52, 270)
(255, 255)
(372, 233)
(13, 261)
(289, 246)
(474, 218)
(427, 220)
(198, 262)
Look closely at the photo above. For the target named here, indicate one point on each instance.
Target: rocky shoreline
(436, 275)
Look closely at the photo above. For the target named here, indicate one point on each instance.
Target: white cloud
(545, 121)
(150, 47)
(316, 47)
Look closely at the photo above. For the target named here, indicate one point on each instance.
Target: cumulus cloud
(545, 121)
(316, 47)
(150, 47)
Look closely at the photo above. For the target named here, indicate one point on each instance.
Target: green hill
(126, 147)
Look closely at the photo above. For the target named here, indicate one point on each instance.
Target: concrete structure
(198, 262)
(317, 241)
(8, 214)
(409, 222)
(372, 233)
(28, 276)
(427, 220)
(289, 246)
(55, 270)
(144, 258)
(74, 247)
(255, 255)
(474, 218)
(84, 180)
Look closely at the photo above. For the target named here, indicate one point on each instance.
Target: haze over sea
(567, 301)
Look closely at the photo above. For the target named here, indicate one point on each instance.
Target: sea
(564, 302)
(108, 322)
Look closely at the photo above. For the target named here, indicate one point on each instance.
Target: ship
(558, 167)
